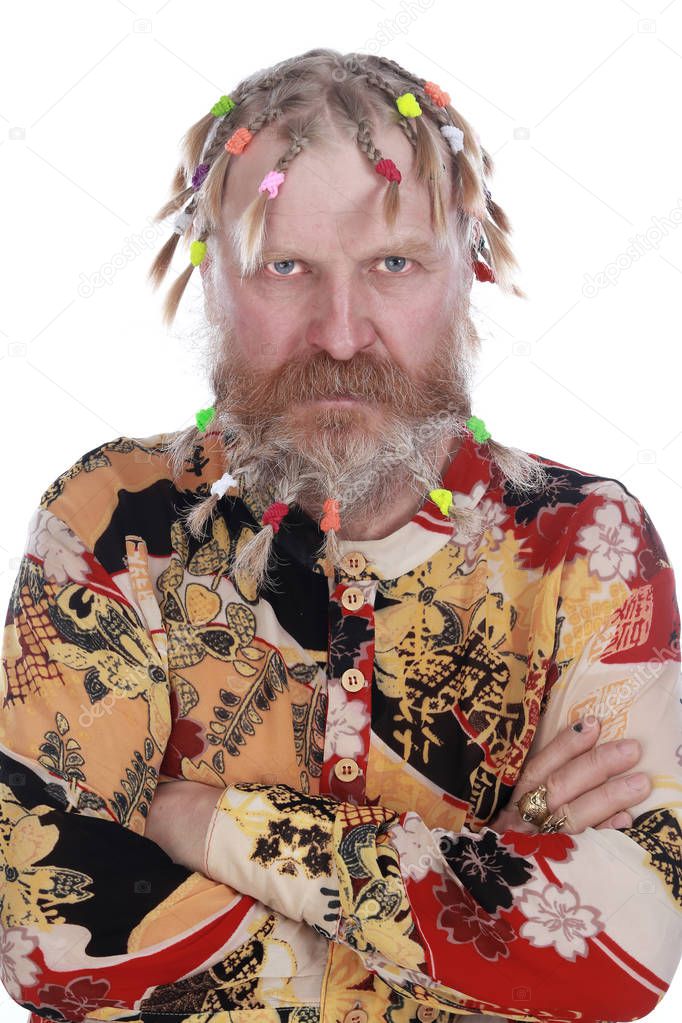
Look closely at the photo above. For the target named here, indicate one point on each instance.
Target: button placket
(349, 710)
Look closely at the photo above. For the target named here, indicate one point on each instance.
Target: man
(356, 663)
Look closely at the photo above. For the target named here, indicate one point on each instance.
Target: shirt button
(352, 598)
(356, 1016)
(352, 680)
(346, 769)
(353, 563)
(426, 1013)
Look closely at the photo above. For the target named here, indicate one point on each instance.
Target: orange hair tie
(238, 140)
(439, 97)
(330, 518)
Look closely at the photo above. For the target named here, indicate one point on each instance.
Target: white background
(577, 102)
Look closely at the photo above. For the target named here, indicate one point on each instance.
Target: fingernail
(622, 820)
(638, 782)
(590, 721)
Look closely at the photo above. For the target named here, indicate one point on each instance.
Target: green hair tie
(223, 106)
(441, 498)
(197, 251)
(204, 417)
(407, 105)
(477, 427)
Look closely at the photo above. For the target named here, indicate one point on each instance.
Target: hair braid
(475, 168)
(428, 163)
(364, 140)
(309, 82)
(367, 146)
(213, 185)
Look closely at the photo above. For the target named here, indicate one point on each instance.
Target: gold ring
(533, 809)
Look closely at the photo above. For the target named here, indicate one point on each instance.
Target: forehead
(331, 193)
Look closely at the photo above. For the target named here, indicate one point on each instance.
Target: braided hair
(298, 97)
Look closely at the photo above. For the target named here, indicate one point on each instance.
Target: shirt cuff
(276, 844)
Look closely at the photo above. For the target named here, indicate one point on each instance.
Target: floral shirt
(361, 725)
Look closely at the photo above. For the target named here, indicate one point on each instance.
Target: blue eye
(393, 259)
(283, 264)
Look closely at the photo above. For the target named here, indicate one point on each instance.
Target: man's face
(341, 305)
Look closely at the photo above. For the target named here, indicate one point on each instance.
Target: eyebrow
(414, 244)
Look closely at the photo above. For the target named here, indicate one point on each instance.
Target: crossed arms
(588, 924)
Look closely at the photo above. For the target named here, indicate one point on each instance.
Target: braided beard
(364, 454)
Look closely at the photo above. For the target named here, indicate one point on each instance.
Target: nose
(338, 319)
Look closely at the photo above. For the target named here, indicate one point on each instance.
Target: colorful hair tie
(477, 427)
(197, 251)
(442, 499)
(219, 487)
(389, 170)
(199, 174)
(330, 518)
(274, 513)
(271, 182)
(182, 222)
(223, 106)
(238, 140)
(455, 137)
(204, 416)
(483, 272)
(435, 92)
(407, 105)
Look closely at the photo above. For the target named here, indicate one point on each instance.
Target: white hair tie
(455, 137)
(224, 483)
(182, 222)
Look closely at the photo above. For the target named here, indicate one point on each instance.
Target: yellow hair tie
(197, 251)
(442, 498)
(407, 105)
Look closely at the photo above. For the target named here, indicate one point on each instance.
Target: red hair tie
(274, 513)
(483, 272)
(389, 170)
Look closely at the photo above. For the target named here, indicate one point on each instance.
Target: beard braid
(298, 453)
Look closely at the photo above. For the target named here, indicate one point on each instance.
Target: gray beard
(366, 470)
(305, 456)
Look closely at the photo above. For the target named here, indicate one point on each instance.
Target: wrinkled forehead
(331, 188)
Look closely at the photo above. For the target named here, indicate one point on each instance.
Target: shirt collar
(300, 538)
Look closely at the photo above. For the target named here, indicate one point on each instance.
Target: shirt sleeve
(93, 915)
(529, 926)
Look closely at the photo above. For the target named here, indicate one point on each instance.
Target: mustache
(322, 376)
(245, 390)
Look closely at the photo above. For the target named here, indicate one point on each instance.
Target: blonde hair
(299, 98)
(302, 98)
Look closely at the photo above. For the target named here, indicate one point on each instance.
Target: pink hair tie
(389, 170)
(271, 182)
(274, 513)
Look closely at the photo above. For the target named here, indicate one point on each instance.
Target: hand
(582, 782)
(178, 820)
